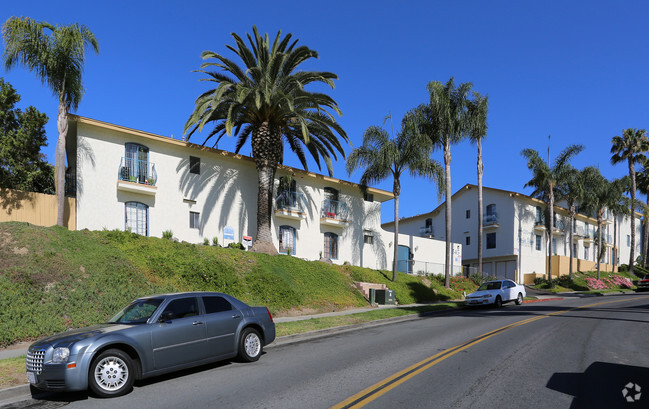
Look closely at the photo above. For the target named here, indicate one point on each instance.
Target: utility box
(384, 297)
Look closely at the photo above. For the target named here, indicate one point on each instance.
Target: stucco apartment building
(515, 240)
(124, 178)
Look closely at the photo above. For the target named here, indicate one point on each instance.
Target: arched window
(287, 240)
(136, 218)
(331, 245)
(491, 216)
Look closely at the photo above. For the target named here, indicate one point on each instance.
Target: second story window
(195, 165)
(491, 240)
(491, 216)
(468, 214)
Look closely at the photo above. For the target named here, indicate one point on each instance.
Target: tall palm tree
(477, 111)
(382, 157)
(544, 181)
(265, 100)
(57, 60)
(572, 191)
(446, 122)
(630, 147)
(600, 195)
(642, 180)
(619, 206)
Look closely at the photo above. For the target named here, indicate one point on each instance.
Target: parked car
(642, 284)
(497, 292)
(151, 336)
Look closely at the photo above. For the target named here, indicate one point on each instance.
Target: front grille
(35, 361)
(55, 384)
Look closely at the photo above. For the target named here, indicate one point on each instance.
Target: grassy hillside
(52, 279)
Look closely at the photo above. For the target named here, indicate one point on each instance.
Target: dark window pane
(216, 304)
(181, 308)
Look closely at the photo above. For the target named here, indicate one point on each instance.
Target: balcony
(589, 237)
(490, 221)
(137, 176)
(290, 205)
(539, 225)
(334, 213)
(558, 228)
(577, 233)
(426, 231)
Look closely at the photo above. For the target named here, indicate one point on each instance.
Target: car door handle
(235, 316)
(197, 323)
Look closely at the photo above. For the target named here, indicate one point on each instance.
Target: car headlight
(61, 355)
(487, 296)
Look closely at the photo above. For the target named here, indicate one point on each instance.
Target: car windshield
(138, 312)
(492, 285)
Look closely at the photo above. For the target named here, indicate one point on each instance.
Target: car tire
(519, 299)
(111, 374)
(499, 302)
(250, 345)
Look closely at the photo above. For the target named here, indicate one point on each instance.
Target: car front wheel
(499, 302)
(250, 345)
(111, 374)
(519, 299)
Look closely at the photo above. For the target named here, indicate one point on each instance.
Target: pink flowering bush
(606, 283)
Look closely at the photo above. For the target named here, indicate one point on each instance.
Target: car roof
(181, 294)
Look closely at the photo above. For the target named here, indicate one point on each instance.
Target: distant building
(128, 179)
(515, 240)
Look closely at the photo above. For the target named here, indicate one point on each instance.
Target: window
(330, 204)
(136, 218)
(492, 215)
(194, 218)
(287, 240)
(369, 197)
(574, 249)
(539, 216)
(554, 246)
(628, 240)
(194, 165)
(331, 246)
(180, 308)
(585, 253)
(135, 167)
(467, 240)
(216, 304)
(491, 240)
(468, 214)
(368, 239)
(538, 242)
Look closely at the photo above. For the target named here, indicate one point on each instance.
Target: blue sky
(576, 70)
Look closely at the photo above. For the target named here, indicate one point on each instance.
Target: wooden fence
(35, 208)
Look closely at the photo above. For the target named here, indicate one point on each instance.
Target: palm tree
(572, 191)
(600, 195)
(619, 206)
(265, 101)
(446, 122)
(630, 147)
(382, 157)
(58, 60)
(544, 181)
(477, 111)
(642, 180)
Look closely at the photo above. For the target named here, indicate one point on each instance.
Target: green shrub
(215, 241)
(236, 246)
(167, 234)
(206, 241)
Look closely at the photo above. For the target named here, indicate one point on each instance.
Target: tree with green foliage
(383, 156)
(642, 180)
(57, 60)
(545, 179)
(571, 189)
(22, 134)
(477, 111)
(599, 195)
(446, 121)
(619, 206)
(630, 148)
(266, 101)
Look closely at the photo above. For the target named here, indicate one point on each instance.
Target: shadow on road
(605, 385)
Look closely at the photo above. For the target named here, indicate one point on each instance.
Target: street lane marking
(367, 395)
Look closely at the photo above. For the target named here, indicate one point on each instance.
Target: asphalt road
(572, 353)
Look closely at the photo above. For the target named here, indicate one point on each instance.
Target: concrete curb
(15, 394)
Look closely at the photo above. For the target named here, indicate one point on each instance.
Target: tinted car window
(492, 285)
(180, 308)
(216, 304)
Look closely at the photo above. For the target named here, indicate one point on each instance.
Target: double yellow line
(378, 389)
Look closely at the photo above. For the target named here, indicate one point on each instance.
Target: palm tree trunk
(645, 237)
(599, 241)
(615, 255)
(396, 236)
(62, 125)
(480, 207)
(633, 190)
(572, 222)
(551, 230)
(447, 166)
